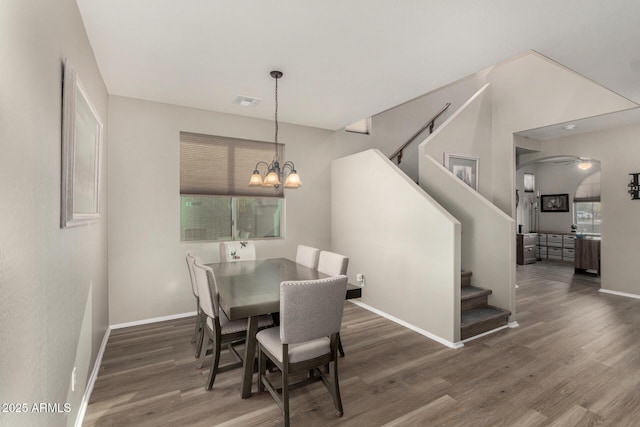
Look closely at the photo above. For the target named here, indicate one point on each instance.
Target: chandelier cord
(276, 172)
(276, 117)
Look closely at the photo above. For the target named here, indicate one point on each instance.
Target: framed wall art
(81, 151)
(464, 167)
(554, 203)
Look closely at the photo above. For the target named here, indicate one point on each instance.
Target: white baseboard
(92, 380)
(152, 320)
(622, 294)
(427, 334)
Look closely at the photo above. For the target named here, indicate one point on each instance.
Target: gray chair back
(311, 309)
(332, 264)
(191, 258)
(207, 289)
(308, 256)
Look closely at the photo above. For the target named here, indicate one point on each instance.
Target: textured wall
(53, 310)
(403, 242)
(146, 257)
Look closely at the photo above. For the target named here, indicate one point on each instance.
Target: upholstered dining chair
(306, 340)
(218, 329)
(237, 250)
(333, 264)
(197, 334)
(308, 256)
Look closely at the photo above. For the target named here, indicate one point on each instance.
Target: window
(229, 218)
(587, 216)
(361, 126)
(587, 206)
(215, 201)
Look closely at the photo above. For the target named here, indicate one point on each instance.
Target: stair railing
(430, 124)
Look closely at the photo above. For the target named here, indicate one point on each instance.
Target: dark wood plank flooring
(574, 360)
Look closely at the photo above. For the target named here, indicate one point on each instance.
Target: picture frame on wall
(529, 182)
(464, 167)
(554, 203)
(81, 152)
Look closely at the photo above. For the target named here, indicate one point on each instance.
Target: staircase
(477, 316)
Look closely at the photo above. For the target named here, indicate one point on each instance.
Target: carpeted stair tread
(469, 292)
(482, 314)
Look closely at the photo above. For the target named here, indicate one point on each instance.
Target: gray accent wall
(53, 310)
(147, 271)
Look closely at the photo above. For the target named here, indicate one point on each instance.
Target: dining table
(249, 289)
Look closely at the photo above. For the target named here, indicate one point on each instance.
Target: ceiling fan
(583, 163)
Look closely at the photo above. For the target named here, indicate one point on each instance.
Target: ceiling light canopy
(274, 173)
(585, 165)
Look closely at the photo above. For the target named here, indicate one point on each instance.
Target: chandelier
(274, 173)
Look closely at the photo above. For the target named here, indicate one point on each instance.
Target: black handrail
(429, 125)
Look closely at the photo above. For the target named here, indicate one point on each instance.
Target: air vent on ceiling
(246, 101)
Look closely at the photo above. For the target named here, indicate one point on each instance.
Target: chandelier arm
(290, 165)
(262, 163)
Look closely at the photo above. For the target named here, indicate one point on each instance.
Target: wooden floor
(574, 360)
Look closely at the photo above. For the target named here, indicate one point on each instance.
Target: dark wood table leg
(249, 357)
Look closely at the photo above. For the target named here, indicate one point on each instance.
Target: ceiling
(591, 124)
(345, 60)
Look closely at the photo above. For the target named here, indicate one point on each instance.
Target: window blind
(589, 189)
(221, 166)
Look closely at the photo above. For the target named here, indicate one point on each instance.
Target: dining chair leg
(198, 324)
(195, 332)
(262, 368)
(285, 387)
(216, 358)
(200, 340)
(202, 354)
(340, 349)
(201, 335)
(337, 400)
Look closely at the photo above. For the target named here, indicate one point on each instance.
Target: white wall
(525, 92)
(147, 273)
(531, 91)
(403, 242)
(488, 234)
(392, 128)
(618, 151)
(467, 132)
(53, 309)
